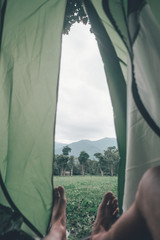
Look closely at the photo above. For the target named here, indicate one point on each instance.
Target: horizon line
(82, 140)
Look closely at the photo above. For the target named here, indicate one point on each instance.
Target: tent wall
(2, 14)
(143, 142)
(115, 79)
(29, 69)
(135, 36)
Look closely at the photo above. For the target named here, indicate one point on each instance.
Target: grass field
(83, 197)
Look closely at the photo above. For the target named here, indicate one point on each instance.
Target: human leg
(58, 219)
(106, 214)
(141, 221)
(148, 200)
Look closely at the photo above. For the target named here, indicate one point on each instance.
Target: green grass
(84, 194)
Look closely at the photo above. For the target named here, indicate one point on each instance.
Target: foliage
(112, 158)
(102, 162)
(83, 157)
(83, 200)
(107, 163)
(66, 150)
(92, 167)
(77, 169)
(56, 169)
(71, 164)
(60, 161)
(74, 13)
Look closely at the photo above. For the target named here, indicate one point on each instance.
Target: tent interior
(128, 36)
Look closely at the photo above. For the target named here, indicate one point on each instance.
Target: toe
(61, 191)
(107, 197)
(116, 212)
(114, 203)
(111, 201)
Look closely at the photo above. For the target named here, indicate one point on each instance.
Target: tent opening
(84, 125)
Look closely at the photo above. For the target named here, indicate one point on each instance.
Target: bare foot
(58, 220)
(106, 215)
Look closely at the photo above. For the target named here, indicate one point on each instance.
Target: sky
(84, 107)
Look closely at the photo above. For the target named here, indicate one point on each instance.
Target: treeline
(105, 164)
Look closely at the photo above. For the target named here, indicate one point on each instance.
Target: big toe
(61, 192)
(108, 197)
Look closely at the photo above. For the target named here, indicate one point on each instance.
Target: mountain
(88, 146)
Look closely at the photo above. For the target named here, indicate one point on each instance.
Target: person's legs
(124, 227)
(129, 226)
(142, 219)
(58, 220)
(148, 200)
(106, 214)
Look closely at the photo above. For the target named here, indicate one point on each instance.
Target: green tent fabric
(138, 28)
(128, 36)
(143, 144)
(134, 32)
(29, 70)
(115, 79)
(118, 43)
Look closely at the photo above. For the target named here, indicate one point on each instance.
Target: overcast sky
(84, 105)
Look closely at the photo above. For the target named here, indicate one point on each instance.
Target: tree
(77, 168)
(83, 157)
(74, 13)
(71, 164)
(63, 159)
(116, 161)
(91, 167)
(56, 170)
(62, 163)
(102, 162)
(112, 157)
(66, 150)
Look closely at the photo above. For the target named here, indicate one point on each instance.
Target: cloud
(84, 106)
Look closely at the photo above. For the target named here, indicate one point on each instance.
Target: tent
(128, 36)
